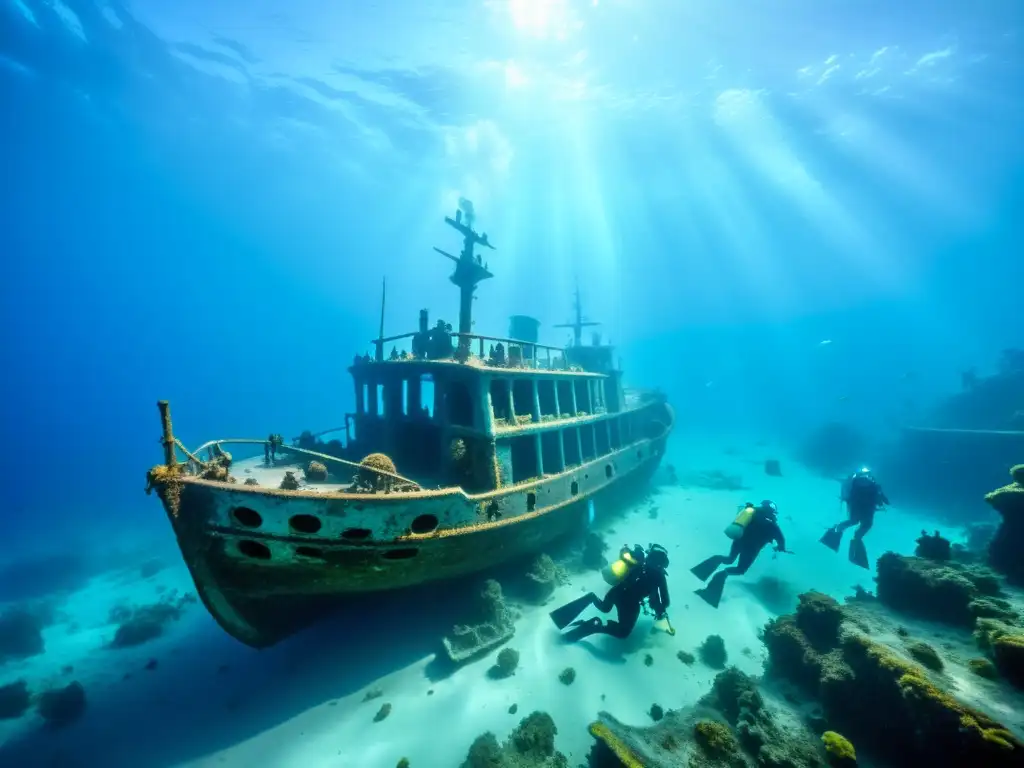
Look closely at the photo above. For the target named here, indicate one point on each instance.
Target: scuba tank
(615, 572)
(736, 528)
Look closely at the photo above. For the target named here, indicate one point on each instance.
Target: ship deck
(271, 477)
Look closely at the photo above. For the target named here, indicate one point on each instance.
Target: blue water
(783, 214)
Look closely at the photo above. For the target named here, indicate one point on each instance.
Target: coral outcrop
(144, 623)
(1006, 551)
(316, 472)
(946, 591)
(490, 623)
(375, 473)
(289, 482)
(505, 664)
(530, 745)
(934, 547)
(14, 700)
(730, 727)
(21, 633)
(871, 693)
(543, 577)
(62, 706)
(712, 652)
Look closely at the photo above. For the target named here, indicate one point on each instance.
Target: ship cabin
(485, 412)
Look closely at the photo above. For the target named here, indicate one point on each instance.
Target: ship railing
(214, 449)
(527, 354)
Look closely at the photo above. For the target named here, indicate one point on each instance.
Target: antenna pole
(469, 270)
(380, 336)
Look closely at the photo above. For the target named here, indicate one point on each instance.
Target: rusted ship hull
(266, 562)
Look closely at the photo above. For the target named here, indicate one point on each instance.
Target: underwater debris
(513, 709)
(21, 633)
(712, 652)
(567, 676)
(14, 700)
(543, 577)
(772, 468)
(140, 625)
(382, 713)
(290, 482)
(594, 548)
(251, 481)
(686, 657)
(490, 624)
(530, 745)
(933, 547)
(867, 689)
(62, 706)
(505, 665)
(1008, 543)
(403, 763)
(648, 660)
(713, 479)
(656, 712)
(373, 693)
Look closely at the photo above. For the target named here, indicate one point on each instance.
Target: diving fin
(832, 538)
(712, 593)
(703, 570)
(582, 629)
(858, 553)
(564, 615)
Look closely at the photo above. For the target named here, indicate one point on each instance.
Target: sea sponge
(316, 472)
(712, 652)
(567, 676)
(290, 482)
(505, 664)
(839, 749)
(369, 477)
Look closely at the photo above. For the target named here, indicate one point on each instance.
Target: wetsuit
(761, 530)
(863, 497)
(627, 598)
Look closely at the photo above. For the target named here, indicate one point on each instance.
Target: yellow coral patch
(626, 756)
(838, 746)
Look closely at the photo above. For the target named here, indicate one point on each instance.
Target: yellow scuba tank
(613, 573)
(736, 528)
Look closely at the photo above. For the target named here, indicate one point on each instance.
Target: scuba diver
(752, 529)
(863, 496)
(636, 577)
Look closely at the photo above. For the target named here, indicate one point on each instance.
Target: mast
(379, 344)
(469, 270)
(579, 324)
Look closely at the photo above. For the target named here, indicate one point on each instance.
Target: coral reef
(14, 700)
(62, 706)
(819, 617)
(940, 590)
(290, 482)
(316, 472)
(530, 745)
(567, 676)
(142, 624)
(933, 547)
(505, 664)
(543, 577)
(1004, 553)
(594, 548)
(490, 624)
(712, 652)
(251, 481)
(712, 479)
(772, 468)
(731, 726)
(21, 633)
(656, 712)
(1006, 646)
(870, 692)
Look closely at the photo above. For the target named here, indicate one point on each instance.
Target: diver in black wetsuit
(863, 496)
(760, 527)
(645, 580)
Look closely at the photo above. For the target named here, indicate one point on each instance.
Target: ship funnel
(424, 321)
(524, 328)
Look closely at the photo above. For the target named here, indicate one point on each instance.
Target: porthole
(356, 534)
(424, 524)
(248, 518)
(400, 554)
(305, 524)
(574, 489)
(254, 549)
(531, 501)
